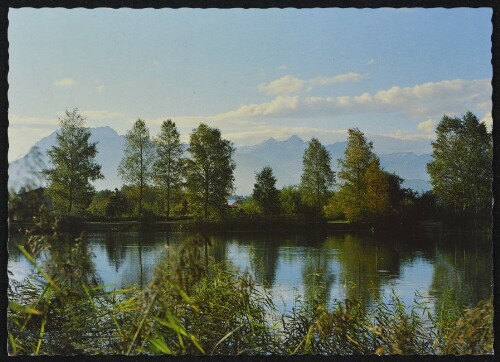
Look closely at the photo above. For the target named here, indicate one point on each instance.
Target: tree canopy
(136, 166)
(73, 166)
(265, 192)
(364, 187)
(317, 177)
(168, 166)
(461, 173)
(209, 171)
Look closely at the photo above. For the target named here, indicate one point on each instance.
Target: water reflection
(334, 266)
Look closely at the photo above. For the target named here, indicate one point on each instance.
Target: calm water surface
(352, 266)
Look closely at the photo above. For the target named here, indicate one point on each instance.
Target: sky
(254, 74)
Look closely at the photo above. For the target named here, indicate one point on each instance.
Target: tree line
(163, 177)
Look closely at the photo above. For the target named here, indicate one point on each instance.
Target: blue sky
(254, 74)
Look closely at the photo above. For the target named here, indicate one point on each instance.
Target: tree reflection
(264, 257)
(366, 265)
(462, 271)
(218, 248)
(114, 251)
(317, 277)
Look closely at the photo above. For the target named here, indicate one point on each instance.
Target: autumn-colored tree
(364, 187)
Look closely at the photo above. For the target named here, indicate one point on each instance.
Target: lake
(353, 266)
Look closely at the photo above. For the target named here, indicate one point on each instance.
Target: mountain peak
(270, 140)
(293, 139)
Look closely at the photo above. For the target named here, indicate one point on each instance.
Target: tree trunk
(206, 202)
(141, 181)
(168, 200)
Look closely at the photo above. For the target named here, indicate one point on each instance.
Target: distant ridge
(285, 158)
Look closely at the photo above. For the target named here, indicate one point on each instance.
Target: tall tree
(377, 189)
(168, 167)
(209, 171)
(73, 166)
(265, 192)
(317, 175)
(358, 175)
(136, 166)
(461, 174)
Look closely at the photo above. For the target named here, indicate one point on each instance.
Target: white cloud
(291, 84)
(430, 100)
(341, 78)
(66, 82)
(100, 88)
(427, 126)
(285, 85)
(282, 67)
(370, 62)
(488, 121)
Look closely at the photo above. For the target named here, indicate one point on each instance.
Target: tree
(461, 174)
(265, 193)
(73, 166)
(290, 200)
(364, 188)
(135, 167)
(317, 177)
(209, 172)
(168, 167)
(377, 189)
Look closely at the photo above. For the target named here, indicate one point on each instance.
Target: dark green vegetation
(209, 172)
(194, 305)
(166, 181)
(461, 173)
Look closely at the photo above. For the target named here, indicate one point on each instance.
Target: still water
(351, 266)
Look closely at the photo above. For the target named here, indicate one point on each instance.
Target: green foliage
(25, 206)
(364, 188)
(249, 207)
(317, 176)
(73, 166)
(377, 190)
(107, 203)
(209, 172)
(168, 166)
(265, 193)
(136, 166)
(333, 210)
(472, 333)
(100, 203)
(291, 201)
(461, 174)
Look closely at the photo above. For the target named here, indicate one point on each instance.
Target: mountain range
(284, 157)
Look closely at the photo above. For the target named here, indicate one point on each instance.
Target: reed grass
(194, 305)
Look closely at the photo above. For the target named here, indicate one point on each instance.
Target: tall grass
(194, 305)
